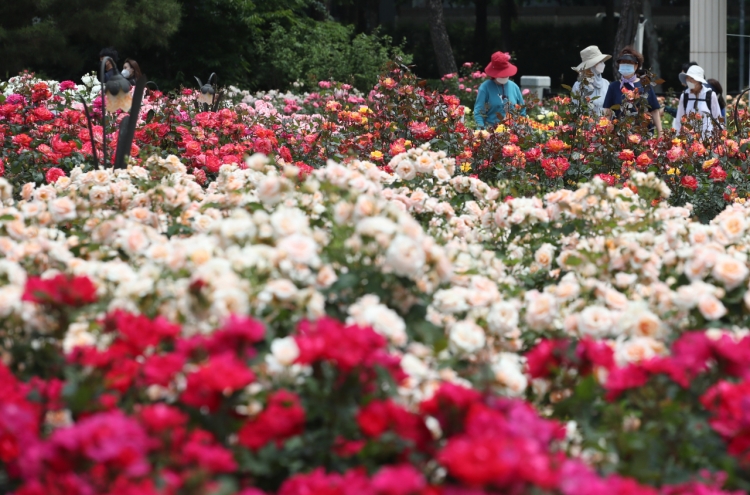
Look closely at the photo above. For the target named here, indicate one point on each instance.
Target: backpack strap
(706, 100)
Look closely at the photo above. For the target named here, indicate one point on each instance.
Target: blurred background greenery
(267, 44)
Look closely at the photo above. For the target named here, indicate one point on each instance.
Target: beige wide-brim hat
(696, 73)
(591, 56)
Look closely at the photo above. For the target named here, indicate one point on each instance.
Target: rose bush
(366, 296)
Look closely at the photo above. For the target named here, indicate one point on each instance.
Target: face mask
(692, 85)
(125, 73)
(501, 80)
(599, 68)
(627, 69)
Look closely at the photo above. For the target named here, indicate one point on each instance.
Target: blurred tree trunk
(480, 30)
(652, 42)
(609, 24)
(508, 12)
(441, 43)
(631, 11)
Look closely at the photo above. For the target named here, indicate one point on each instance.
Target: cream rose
(711, 308)
(466, 336)
(730, 271)
(285, 350)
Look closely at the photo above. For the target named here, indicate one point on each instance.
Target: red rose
(213, 164)
(282, 418)
(285, 154)
(689, 182)
(555, 145)
(200, 176)
(158, 418)
(60, 290)
(643, 160)
(403, 479)
(533, 155)
(192, 148)
(53, 174)
(621, 379)
(220, 376)
(717, 174)
(555, 167)
(22, 140)
(608, 179)
(626, 155)
(41, 113)
(161, 369)
(545, 357)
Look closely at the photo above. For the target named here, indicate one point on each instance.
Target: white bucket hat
(591, 57)
(696, 73)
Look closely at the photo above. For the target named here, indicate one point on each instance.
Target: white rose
(373, 226)
(625, 280)
(544, 255)
(508, 370)
(10, 299)
(282, 289)
(425, 164)
(502, 318)
(77, 336)
(484, 291)
(99, 195)
(285, 350)
(406, 170)
(269, 190)
(541, 310)
(466, 336)
(405, 256)
(299, 248)
(596, 321)
(287, 221)
(637, 320)
(414, 367)
(62, 209)
(453, 300)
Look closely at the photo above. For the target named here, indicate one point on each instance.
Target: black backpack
(706, 100)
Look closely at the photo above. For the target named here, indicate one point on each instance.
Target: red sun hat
(500, 66)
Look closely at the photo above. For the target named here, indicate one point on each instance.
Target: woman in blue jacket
(498, 94)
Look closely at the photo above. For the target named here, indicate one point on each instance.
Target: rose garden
(338, 292)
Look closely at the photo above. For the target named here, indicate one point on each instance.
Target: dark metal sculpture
(209, 99)
(116, 90)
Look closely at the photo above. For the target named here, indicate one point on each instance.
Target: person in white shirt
(699, 99)
(590, 82)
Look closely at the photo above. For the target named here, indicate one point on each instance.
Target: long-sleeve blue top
(492, 100)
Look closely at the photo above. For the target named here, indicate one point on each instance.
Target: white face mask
(627, 69)
(501, 80)
(599, 68)
(125, 73)
(692, 85)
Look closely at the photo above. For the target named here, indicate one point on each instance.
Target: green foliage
(64, 36)
(316, 51)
